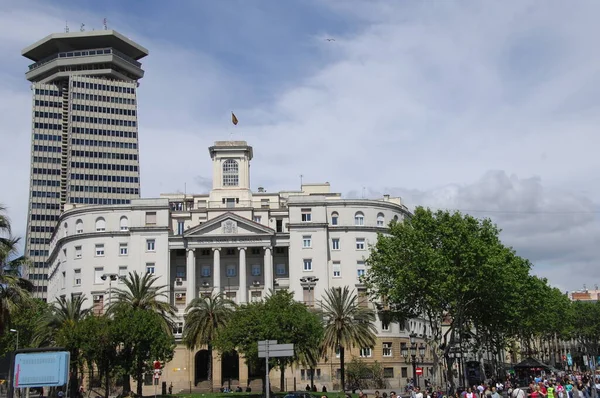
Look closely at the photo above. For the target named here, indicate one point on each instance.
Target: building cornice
(86, 235)
(350, 202)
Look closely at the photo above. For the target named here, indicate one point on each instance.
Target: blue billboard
(41, 369)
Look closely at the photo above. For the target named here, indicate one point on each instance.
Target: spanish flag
(234, 119)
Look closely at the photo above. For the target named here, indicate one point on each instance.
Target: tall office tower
(84, 141)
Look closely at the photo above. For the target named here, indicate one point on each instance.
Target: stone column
(217, 269)
(243, 289)
(191, 275)
(268, 264)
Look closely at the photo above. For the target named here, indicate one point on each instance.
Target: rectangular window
(178, 329)
(337, 269)
(335, 244)
(179, 299)
(78, 252)
(180, 227)
(231, 296)
(231, 271)
(98, 272)
(180, 271)
(388, 373)
(334, 219)
(122, 249)
(387, 349)
(149, 268)
(255, 296)
(280, 269)
(306, 215)
(279, 225)
(360, 272)
(257, 219)
(385, 326)
(404, 372)
(366, 352)
(360, 243)
(306, 241)
(77, 277)
(256, 270)
(307, 264)
(99, 250)
(230, 202)
(205, 271)
(122, 273)
(150, 245)
(150, 218)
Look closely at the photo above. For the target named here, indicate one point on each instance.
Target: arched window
(396, 218)
(79, 227)
(65, 230)
(359, 218)
(230, 173)
(100, 224)
(334, 218)
(124, 224)
(380, 220)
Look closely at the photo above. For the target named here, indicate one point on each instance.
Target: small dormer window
(230, 173)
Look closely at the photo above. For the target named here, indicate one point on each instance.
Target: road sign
(41, 369)
(276, 350)
(419, 371)
(264, 343)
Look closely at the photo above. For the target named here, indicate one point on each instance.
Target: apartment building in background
(84, 131)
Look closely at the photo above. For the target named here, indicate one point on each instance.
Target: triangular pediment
(228, 224)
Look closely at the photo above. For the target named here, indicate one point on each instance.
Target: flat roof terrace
(73, 41)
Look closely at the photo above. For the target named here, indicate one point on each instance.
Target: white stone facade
(233, 240)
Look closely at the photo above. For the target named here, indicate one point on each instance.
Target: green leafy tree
(25, 322)
(14, 290)
(99, 342)
(144, 339)
(361, 375)
(205, 317)
(140, 292)
(452, 267)
(347, 324)
(279, 317)
(59, 327)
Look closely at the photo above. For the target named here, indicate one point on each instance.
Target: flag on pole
(234, 119)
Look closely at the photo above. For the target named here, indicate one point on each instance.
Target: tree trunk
(282, 376)
(140, 378)
(107, 382)
(342, 368)
(312, 378)
(210, 365)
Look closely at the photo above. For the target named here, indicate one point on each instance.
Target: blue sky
(488, 107)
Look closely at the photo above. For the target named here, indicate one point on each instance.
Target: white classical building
(233, 240)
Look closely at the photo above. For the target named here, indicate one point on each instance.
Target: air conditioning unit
(179, 281)
(97, 297)
(178, 295)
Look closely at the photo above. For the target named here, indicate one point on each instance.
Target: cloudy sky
(487, 107)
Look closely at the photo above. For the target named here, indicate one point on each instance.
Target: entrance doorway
(230, 368)
(202, 363)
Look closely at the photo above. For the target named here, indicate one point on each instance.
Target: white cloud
(417, 95)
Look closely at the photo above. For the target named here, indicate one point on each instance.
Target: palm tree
(347, 323)
(14, 290)
(58, 327)
(140, 293)
(204, 318)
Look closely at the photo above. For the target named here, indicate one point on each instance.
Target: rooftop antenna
(66, 27)
(82, 28)
(584, 287)
(104, 21)
(301, 176)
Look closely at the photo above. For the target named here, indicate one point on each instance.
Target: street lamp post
(17, 332)
(110, 277)
(413, 356)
